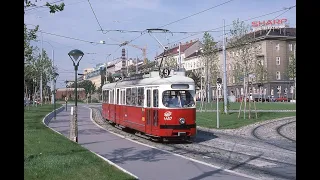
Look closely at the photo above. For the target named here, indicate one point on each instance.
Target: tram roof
(152, 81)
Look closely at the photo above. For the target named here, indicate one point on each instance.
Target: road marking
(185, 157)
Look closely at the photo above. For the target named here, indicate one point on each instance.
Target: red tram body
(156, 107)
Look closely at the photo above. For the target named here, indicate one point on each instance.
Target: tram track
(281, 134)
(287, 147)
(227, 158)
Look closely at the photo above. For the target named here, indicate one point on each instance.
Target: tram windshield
(178, 98)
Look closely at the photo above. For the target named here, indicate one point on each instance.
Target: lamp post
(74, 56)
(55, 76)
(66, 98)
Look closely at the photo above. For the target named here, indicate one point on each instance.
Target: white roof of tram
(151, 81)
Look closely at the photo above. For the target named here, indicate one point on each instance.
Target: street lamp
(55, 76)
(74, 56)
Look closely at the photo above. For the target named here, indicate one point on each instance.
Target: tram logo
(167, 115)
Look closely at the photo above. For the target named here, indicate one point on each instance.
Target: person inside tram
(174, 102)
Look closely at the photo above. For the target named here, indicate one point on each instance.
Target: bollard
(71, 112)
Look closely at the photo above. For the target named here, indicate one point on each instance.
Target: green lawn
(259, 105)
(48, 155)
(231, 121)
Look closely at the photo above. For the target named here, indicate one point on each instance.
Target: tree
(170, 62)
(36, 64)
(245, 61)
(291, 72)
(209, 62)
(53, 7)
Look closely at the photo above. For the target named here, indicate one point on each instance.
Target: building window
(278, 60)
(278, 47)
(278, 77)
(290, 47)
(233, 79)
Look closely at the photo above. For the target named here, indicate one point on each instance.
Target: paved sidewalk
(145, 162)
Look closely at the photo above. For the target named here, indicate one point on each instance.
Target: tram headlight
(182, 121)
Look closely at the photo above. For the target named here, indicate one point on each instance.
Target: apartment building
(274, 49)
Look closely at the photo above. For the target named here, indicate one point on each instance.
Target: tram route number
(166, 72)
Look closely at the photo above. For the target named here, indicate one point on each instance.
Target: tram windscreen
(178, 98)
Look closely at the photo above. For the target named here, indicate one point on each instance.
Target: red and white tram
(156, 107)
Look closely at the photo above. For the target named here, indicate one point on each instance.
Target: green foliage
(53, 8)
(231, 121)
(36, 64)
(209, 57)
(209, 45)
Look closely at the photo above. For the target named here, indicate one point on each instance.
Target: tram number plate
(181, 133)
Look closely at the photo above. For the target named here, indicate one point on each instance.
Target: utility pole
(41, 69)
(137, 65)
(207, 79)
(224, 71)
(179, 55)
(127, 62)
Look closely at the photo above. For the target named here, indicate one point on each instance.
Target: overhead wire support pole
(225, 100)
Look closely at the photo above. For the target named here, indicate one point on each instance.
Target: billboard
(269, 24)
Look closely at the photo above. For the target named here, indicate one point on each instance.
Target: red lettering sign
(268, 22)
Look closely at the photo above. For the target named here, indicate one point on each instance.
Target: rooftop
(174, 50)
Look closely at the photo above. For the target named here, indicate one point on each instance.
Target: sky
(78, 22)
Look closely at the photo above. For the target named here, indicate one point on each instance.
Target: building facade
(274, 48)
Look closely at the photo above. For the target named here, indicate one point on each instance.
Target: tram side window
(112, 97)
(148, 98)
(134, 96)
(122, 97)
(118, 94)
(103, 95)
(140, 96)
(128, 96)
(155, 98)
(107, 96)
